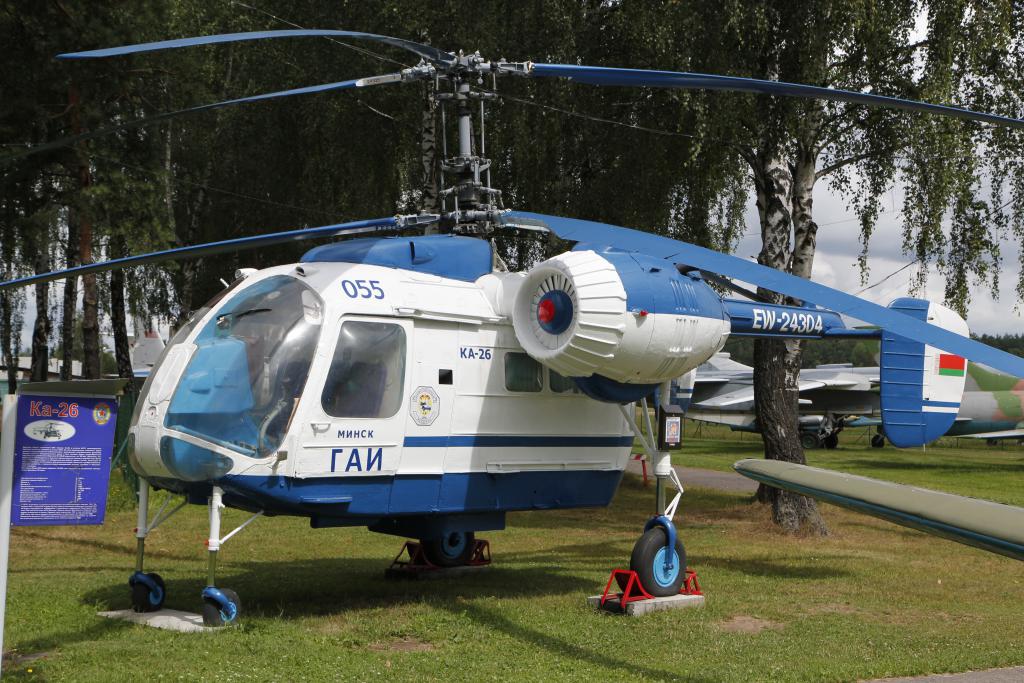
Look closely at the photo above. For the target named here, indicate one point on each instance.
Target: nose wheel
(148, 592)
(221, 606)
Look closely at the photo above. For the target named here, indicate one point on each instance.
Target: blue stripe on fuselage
(453, 493)
(498, 440)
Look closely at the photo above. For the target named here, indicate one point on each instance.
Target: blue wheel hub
(666, 567)
(228, 610)
(454, 544)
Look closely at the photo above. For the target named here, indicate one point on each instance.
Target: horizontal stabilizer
(983, 524)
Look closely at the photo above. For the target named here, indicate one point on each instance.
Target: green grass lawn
(870, 600)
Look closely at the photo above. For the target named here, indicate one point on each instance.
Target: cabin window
(367, 374)
(561, 384)
(522, 373)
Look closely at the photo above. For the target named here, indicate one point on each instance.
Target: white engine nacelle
(626, 317)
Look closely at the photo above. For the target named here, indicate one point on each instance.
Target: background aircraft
(830, 396)
(836, 396)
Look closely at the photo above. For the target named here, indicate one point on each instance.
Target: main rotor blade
(599, 75)
(156, 118)
(600, 235)
(427, 52)
(198, 250)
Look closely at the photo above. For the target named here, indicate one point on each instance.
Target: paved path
(731, 481)
(711, 479)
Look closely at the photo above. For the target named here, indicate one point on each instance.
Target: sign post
(62, 455)
(55, 451)
(7, 438)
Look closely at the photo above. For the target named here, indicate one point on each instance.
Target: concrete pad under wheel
(169, 619)
(434, 573)
(642, 607)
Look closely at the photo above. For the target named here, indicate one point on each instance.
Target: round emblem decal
(101, 414)
(424, 406)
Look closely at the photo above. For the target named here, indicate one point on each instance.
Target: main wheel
(809, 441)
(451, 550)
(146, 600)
(213, 615)
(877, 441)
(648, 561)
(831, 441)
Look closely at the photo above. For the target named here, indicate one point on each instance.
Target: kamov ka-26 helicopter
(413, 386)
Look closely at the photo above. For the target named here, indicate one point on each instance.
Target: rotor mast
(468, 203)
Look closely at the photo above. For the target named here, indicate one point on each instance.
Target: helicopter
(49, 431)
(405, 381)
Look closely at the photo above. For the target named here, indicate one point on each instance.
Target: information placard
(62, 457)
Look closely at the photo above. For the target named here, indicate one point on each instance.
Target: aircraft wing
(1005, 434)
(983, 524)
(738, 397)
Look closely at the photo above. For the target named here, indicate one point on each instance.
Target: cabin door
(356, 426)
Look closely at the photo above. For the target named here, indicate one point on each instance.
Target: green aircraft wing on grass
(983, 524)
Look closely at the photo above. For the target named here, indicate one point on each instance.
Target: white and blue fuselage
(381, 382)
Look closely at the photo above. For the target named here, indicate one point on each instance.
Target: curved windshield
(178, 337)
(251, 362)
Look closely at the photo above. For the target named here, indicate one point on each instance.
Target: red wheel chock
(416, 562)
(643, 464)
(633, 590)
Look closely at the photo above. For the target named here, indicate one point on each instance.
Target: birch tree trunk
(428, 156)
(118, 313)
(775, 375)
(67, 323)
(8, 339)
(41, 329)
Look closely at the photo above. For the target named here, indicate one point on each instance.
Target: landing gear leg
(658, 557)
(148, 590)
(221, 606)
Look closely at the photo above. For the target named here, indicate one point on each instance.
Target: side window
(367, 375)
(561, 384)
(522, 373)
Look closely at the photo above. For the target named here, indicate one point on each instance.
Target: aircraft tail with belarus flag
(920, 386)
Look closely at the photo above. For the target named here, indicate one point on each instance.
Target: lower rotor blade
(600, 235)
(599, 75)
(425, 51)
(195, 251)
(983, 524)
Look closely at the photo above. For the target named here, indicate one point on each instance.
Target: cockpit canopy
(244, 380)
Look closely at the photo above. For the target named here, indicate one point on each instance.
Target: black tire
(810, 441)
(831, 442)
(212, 615)
(877, 441)
(645, 557)
(452, 550)
(144, 600)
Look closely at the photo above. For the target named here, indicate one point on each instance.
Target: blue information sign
(62, 455)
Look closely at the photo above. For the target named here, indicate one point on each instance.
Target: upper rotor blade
(198, 250)
(425, 51)
(598, 75)
(601, 235)
(148, 120)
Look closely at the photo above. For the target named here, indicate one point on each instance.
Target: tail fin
(920, 385)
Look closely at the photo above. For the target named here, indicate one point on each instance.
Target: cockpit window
(367, 372)
(179, 336)
(244, 381)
